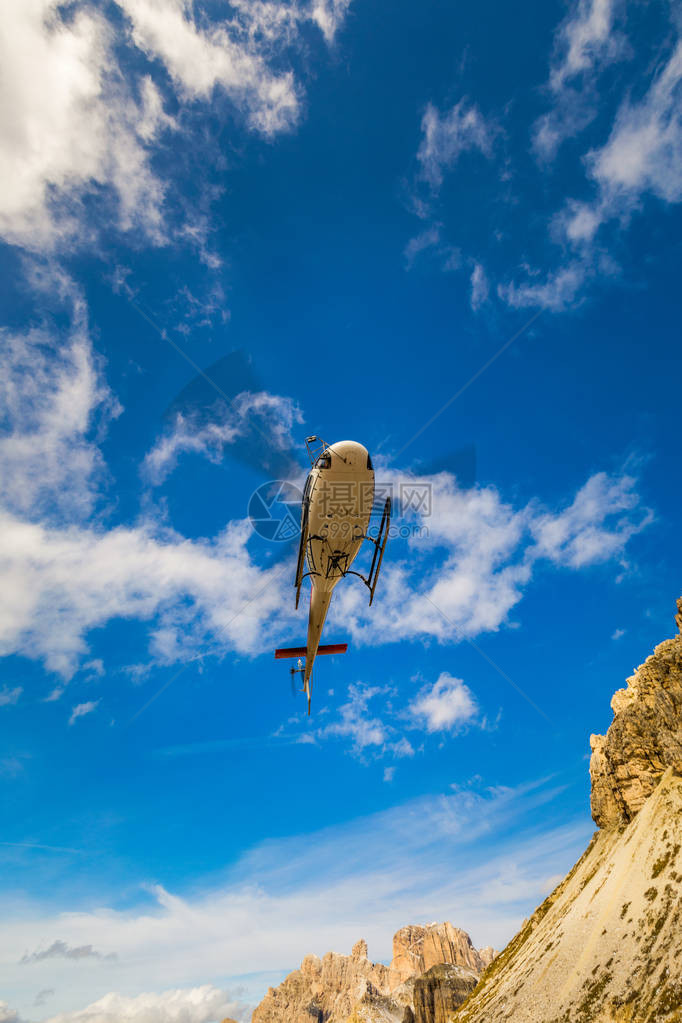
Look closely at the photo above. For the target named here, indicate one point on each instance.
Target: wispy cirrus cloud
(56, 406)
(374, 723)
(8, 697)
(634, 159)
(642, 156)
(480, 287)
(472, 855)
(445, 137)
(586, 41)
(639, 161)
(82, 709)
(369, 732)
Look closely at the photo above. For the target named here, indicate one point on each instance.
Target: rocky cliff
(606, 946)
(438, 992)
(434, 968)
(416, 949)
(644, 739)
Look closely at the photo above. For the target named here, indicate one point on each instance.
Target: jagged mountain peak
(434, 967)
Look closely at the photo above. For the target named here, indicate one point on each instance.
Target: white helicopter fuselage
(338, 499)
(335, 514)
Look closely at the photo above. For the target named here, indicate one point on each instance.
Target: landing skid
(379, 542)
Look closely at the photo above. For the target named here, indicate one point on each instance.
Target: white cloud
(277, 416)
(585, 42)
(204, 1004)
(81, 709)
(66, 576)
(585, 38)
(8, 697)
(642, 156)
(367, 733)
(430, 241)
(487, 551)
(445, 706)
(77, 122)
(556, 291)
(95, 668)
(480, 287)
(389, 774)
(69, 124)
(446, 136)
(355, 723)
(644, 150)
(61, 583)
(226, 55)
(618, 634)
(426, 239)
(595, 527)
(63, 576)
(8, 1015)
(53, 399)
(329, 16)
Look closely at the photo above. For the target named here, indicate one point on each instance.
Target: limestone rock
(434, 965)
(605, 946)
(416, 949)
(643, 740)
(324, 989)
(487, 954)
(440, 991)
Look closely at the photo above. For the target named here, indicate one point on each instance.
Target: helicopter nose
(349, 455)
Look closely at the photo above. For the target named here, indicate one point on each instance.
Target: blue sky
(383, 210)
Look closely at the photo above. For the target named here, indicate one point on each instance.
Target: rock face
(324, 989)
(433, 969)
(440, 991)
(644, 738)
(417, 949)
(606, 946)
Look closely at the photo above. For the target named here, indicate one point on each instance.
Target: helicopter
(335, 513)
(211, 396)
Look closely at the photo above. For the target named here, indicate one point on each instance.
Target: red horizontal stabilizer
(300, 651)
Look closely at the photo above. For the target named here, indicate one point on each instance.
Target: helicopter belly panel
(340, 505)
